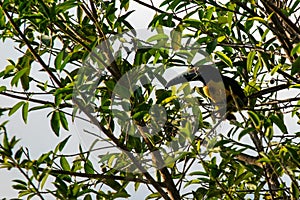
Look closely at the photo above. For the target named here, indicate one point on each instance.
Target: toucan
(224, 92)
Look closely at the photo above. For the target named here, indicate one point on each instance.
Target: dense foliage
(101, 72)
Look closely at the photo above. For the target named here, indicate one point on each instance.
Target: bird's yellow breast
(216, 91)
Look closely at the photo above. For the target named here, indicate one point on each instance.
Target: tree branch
(115, 140)
(101, 177)
(158, 160)
(269, 90)
(283, 17)
(39, 101)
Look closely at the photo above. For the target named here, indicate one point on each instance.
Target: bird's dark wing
(235, 91)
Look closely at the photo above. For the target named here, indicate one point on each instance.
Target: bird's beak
(185, 77)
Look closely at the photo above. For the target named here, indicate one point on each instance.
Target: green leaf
(250, 58)
(2, 88)
(221, 38)
(176, 36)
(211, 46)
(66, 61)
(58, 59)
(222, 20)
(264, 159)
(248, 25)
(209, 12)
(64, 164)
(2, 20)
(20, 182)
(88, 167)
(124, 4)
(245, 132)
(6, 145)
(44, 179)
(8, 69)
(19, 154)
(55, 122)
(275, 69)
(19, 187)
(122, 194)
(40, 107)
(168, 99)
(269, 132)
(295, 191)
(136, 186)
(15, 108)
(258, 19)
(110, 84)
(255, 119)
(173, 4)
(63, 120)
(25, 112)
(257, 66)
(296, 67)
(58, 99)
(153, 196)
(296, 49)
(231, 6)
(62, 144)
(295, 86)
(18, 75)
(157, 37)
(280, 123)
(113, 184)
(224, 58)
(63, 7)
(192, 22)
(88, 197)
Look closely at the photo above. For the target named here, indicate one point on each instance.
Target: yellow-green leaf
(224, 58)
(158, 37)
(255, 119)
(63, 120)
(18, 75)
(88, 167)
(176, 35)
(221, 38)
(64, 164)
(169, 99)
(15, 108)
(258, 19)
(25, 112)
(2, 88)
(250, 58)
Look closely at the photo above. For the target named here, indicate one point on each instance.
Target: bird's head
(204, 73)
